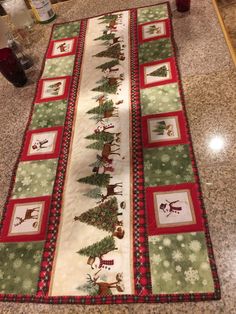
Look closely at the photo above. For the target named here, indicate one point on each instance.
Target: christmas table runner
(105, 203)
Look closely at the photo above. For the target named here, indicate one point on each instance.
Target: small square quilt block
(58, 67)
(173, 209)
(160, 99)
(60, 48)
(155, 50)
(42, 144)
(49, 114)
(180, 264)
(158, 73)
(20, 267)
(154, 30)
(26, 219)
(67, 30)
(164, 129)
(34, 178)
(152, 13)
(53, 89)
(167, 165)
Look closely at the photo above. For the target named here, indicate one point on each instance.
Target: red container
(183, 5)
(11, 68)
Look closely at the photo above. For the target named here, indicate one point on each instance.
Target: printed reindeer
(32, 213)
(111, 191)
(105, 288)
(170, 209)
(102, 164)
(107, 151)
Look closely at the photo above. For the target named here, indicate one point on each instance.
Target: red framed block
(42, 144)
(154, 30)
(173, 209)
(158, 73)
(62, 47)
(26, 219)
(164, 129)
(53, 89)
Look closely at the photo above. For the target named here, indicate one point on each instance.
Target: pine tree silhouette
(162, 72)
(102, 179)
(112, 52)
(108, 65)
(101, 136)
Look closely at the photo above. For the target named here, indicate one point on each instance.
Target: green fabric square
(167, 165)
(48, 114)
(165, 98)
(66, 30)
(35, 178)
(155, 50)
(152, 13)
(180, 264)
(20, 267)
(58, 66)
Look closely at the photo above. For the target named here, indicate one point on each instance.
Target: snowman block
(53, 89)
(62, 47)
(164, 129)
(173, 209)
(154, 30)
(26, 219)
(158, 73)
(42, 144)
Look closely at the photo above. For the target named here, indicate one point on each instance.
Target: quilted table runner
(105, 203)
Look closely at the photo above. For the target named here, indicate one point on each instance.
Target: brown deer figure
(29, 214)
(101, 99)
(104, 288)
(111, 191)
(107, 151)
(115, 80)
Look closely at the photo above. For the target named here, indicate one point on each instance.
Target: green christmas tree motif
(153, 29)
(106, 87)
(161, 72)
(160, 127)
(101, 136)
(113, 51)
(94, 193)
(105, 36)
(96, 145)
(108, 18)
(103, 217)
(102, 179)
(107, 105)
(108, 65)
(98, 249)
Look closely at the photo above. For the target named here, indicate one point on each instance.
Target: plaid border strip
(142, 274)
(55, 211)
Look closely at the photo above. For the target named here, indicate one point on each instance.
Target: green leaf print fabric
(48, 114)
(20, 266)
(35, 178)
(179, 263)
(152, 13)
(167, 165)
(66, 30)
(155, 50)
(159, 99)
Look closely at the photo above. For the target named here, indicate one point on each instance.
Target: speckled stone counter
(209, 81)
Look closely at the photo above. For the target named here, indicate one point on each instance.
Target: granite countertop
(209, 81)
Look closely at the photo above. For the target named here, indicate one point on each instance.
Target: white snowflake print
(156, 258)
(37, 256)
(26, 181)
(165, 158)
(177, 256)
(27, 283)
(179, 149)
(166, 276)
(178, 268)
(43, 183)
(166, 242)
(195, 246)
(17, 263)
(192, 258)
(178, 282)
(179, 237)
(166, 264)
(204, 266)
(147, 165)
(191, 275)
(204, 282)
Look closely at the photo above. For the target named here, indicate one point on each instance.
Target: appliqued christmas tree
(161, 72)
(113, 51)
(108, 65)
(105, 36)
(102, 179)
(106, 86)
(101, 137)
(103, 216)
(94, 193)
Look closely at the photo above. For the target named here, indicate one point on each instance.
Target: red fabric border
(182, 129)
(173, 79)
(51, 45)
(21, 238)
(54, 154)
(140, 31)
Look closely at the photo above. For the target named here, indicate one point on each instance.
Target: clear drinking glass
(18, 12)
